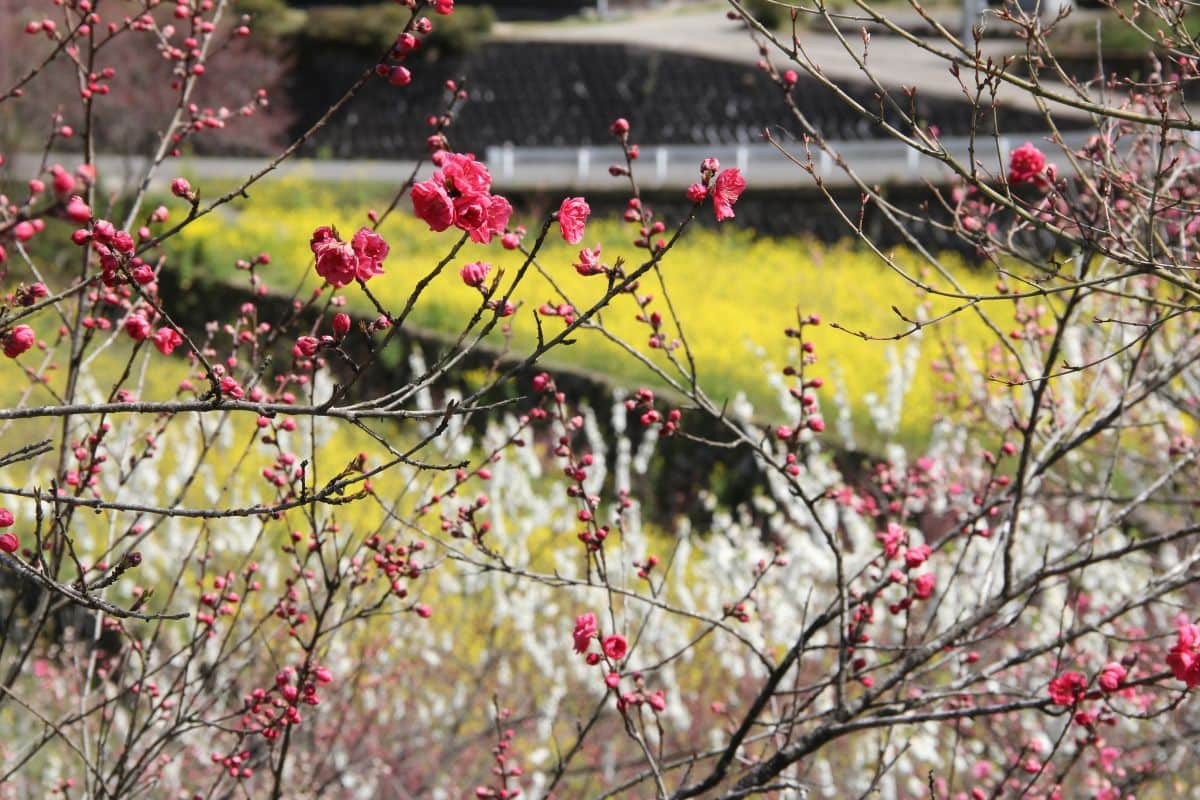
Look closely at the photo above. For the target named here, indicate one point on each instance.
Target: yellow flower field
(735, 292)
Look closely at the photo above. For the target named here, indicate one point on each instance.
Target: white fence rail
(884, 162)
(765, 166)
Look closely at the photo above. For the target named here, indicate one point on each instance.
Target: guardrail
(764, 165)
(669, 167)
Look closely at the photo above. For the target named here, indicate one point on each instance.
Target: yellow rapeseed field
(735, 293)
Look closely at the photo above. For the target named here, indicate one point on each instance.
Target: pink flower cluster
(459, 195)
(8, 540)
(116, 250)
(18, 340)
(270, 711)
(1184, 657)
(392, 68)
(614, 647)
(138, 325)
(1068, 688)
(923, 585)
(341, 262)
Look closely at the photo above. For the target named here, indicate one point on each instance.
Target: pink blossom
(1184, 657)
(471, 215)
(498, 213)
(463, 174)
(1025, 164)
(231, 387)
(459, 195)
(371, 250)
(443, 7)
(727, 188)
(320, 236)
(433, 205)
(19, 340)
(305, 347)
(137, 326)
(367, 269)
(64, 182)
(1068, 688)
(78, 211)
(891, 539)
(369, 244)
(589, 262)
(923, 585)
(122, 242)
(405, 44)
(399, 76)
(585, 630)
(915, 556)
(143, 274)
(1111, 677)
(341, 324)
(9, 543)
(572, 217)
(475, 273)
(337, 262)
(6, 518)
(615, 646)
(180, 188)
(697, 193)
(166, 340)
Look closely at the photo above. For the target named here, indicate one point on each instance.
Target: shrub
(284, 552)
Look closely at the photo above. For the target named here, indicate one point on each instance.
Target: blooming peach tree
(252, 556)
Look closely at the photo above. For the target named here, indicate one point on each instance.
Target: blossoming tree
(236, 563)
